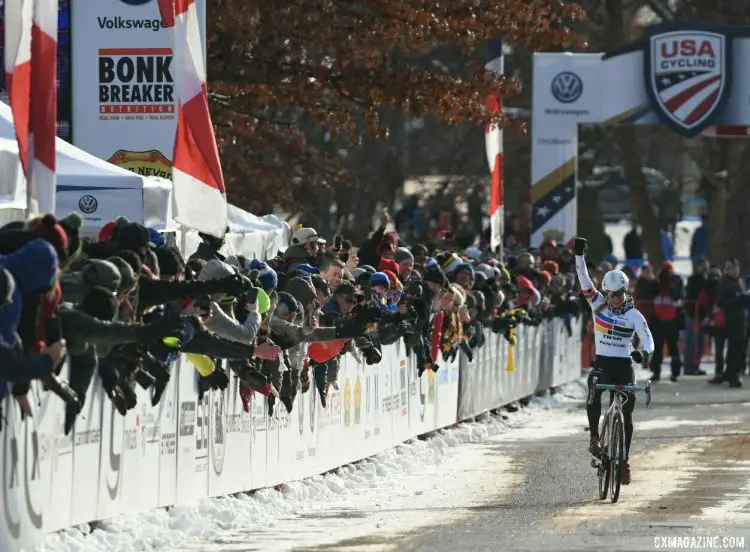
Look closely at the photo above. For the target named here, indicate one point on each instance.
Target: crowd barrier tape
(182, 451)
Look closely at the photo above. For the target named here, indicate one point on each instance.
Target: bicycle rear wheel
(617, 455)
(604, 467)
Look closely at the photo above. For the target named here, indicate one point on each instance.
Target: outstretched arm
(644, 334)
(592, 295)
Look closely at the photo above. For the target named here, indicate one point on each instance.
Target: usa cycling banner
(690, 77)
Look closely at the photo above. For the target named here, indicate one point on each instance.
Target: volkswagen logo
(567, 87)
(88, 204)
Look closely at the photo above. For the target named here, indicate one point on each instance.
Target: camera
(203, 303)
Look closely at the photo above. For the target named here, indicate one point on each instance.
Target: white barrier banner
(183, 450)
(545, 356)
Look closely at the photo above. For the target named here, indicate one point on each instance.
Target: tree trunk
(640, 203)
(590, 222)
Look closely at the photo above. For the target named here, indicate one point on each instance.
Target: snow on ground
(384, 495)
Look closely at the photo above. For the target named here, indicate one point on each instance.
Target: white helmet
(614, 280)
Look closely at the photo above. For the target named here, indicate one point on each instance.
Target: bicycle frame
(608, 464)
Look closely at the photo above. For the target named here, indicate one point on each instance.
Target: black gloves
(580, 246)
(348, 327)
(236, 285)
(640, 357)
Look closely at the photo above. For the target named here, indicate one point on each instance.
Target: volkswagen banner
(567, 88)
(124, 105)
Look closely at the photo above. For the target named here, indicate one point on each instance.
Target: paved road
(691, 478)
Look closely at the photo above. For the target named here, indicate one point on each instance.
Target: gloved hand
(348, 327)
(580, 246)
(236, 284)
(640, 357)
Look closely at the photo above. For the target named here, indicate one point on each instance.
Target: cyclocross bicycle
(612, 436)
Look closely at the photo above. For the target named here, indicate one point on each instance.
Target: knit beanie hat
(127, 276)
(464, 266)
(436, 276)
(169, 261)
(100, 303)
(99, 273)
(301, 290)
(50, 230)
(388, 264)
(152, 263)
(72, 225)
(380, 279)
(266, 275)
(133, 236)
(402, 254)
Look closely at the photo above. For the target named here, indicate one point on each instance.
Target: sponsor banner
(58, 448)
(688, 74)
(229, 441)
(123, 92)
(141, 446)
(567, 88)
(192, 437)
(97, 206)
(183, 450)
(87, 444)
(540, 361)
(258, 448)
(167, 414)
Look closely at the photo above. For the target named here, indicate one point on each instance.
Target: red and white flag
(31, 69)
(494, 147)
(199, 193)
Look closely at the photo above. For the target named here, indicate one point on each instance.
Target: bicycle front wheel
(617, 454)
(604, 466)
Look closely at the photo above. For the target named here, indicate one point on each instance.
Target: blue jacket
(699, 243)
(34, 268)
(666, 246)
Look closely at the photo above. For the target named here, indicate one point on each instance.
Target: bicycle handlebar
(618, 387)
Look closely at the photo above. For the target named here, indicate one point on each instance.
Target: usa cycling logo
(567, 87)
(88, 204)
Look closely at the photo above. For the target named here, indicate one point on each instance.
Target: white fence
(180, 451)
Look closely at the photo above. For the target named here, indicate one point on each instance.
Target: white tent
(249, 235)
(98, 190)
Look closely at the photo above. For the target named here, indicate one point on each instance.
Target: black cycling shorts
(613, 370)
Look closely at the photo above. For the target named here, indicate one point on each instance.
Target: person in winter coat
(405, 260)
(88, 329)
(667, 321)
(695, 319)
(35, 267)
(699, 241)
(733, 302)
(633, 245)
(15, 365)
(220, 322)
(209, 247)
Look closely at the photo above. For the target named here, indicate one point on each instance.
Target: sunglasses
(618, 293)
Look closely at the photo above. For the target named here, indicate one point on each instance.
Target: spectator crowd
(124, 307)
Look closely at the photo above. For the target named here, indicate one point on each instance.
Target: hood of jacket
(34, 266)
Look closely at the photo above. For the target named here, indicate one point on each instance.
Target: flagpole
(494, 62)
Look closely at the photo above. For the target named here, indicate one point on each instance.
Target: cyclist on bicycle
(616, 321)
